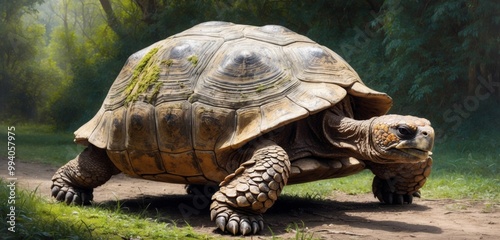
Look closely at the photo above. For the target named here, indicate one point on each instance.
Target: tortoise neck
(348, 137)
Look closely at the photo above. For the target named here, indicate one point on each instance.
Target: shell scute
(117, 130)
(173, 123)
(369, 102)
(182, 60)
(275, 34)
(245, 73)
(121, 160)
(116, 96)
(212, 126)
(141, 127)
(181, 164)
(248, 123)
(316, 97)
(224, 30)
(83, 133)
(145, 162)
(100, 134)
(212, 168)
(280, 112)
(314, 63)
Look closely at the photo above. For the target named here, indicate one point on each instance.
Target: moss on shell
(168, 62)
(262, 87)
(193, 59)
(145, 78)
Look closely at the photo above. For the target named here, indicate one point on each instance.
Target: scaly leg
(252, 189)
(399, 182)
(75, 181)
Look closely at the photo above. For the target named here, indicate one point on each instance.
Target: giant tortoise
(250, 109)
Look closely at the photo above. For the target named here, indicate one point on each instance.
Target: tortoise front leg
(74, 182)
(398, 183)
(252, 189)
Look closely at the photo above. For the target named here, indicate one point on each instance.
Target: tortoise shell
(181, 103)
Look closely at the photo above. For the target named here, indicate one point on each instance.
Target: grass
(355, 184)
(300, 231)
(39, 218)
(39, 143)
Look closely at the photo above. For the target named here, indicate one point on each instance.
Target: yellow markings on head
(383, 136)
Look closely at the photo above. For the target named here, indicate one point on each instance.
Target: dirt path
(341, 217)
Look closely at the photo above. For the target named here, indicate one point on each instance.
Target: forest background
(437, 59)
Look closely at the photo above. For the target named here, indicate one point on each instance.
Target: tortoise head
(397, 138)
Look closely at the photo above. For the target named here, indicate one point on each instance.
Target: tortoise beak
(421, 145)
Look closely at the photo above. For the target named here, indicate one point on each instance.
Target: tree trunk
(148, 8)
(472, 80)
(113, 21)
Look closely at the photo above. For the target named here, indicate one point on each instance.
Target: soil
(339, 217)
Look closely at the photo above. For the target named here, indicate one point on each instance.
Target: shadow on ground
(288, 213)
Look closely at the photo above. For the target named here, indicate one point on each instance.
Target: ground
(339, 217)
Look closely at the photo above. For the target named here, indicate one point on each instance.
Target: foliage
(434, 47)
(21, 78)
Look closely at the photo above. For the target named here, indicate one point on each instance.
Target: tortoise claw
(236, 223)
(71, 195)
(232, 226)
(245, 227)
(220, 222)
(386, 193)
(415, 194)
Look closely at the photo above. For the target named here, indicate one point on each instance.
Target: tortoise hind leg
(74, 182)
(252, 189)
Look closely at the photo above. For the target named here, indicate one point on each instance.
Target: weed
(489, 208)
(301, 233)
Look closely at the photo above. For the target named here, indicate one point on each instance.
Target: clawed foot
(71, 195)
(236, 222)
(384, 191)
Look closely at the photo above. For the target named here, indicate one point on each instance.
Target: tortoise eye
(405, 132)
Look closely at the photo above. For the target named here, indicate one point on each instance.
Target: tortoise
(251, 109)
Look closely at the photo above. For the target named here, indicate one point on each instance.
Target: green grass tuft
(354, 184)
(39, 218)
(301, 232)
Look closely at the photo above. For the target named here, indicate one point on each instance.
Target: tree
(430, 55)
(21, 78)
(83, 46)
